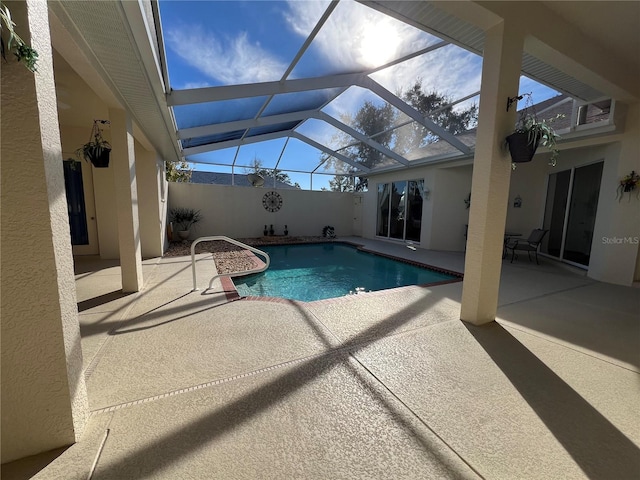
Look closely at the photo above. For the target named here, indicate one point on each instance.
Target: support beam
(44, 397)
(230, 92)
(210, 147)
(491, 174)
(339, 156)
(363, 138)
(214, 129)
(124, 176)
(389, 97)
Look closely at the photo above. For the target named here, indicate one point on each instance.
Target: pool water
(327, 270)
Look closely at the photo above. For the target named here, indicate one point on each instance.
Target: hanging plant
(530, 133)
(627, 185)
(23, 52)
(97, 150)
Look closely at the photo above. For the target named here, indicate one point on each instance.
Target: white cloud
(355, 36)
(449, 70)
(190, 85)
(229, 61)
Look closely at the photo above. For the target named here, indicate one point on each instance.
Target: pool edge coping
(232, 294)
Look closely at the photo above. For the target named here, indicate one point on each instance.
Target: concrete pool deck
(378, 385)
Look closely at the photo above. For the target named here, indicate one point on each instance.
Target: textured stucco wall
(44, 402)
(450, 213)
(238, 211)
(150, 205)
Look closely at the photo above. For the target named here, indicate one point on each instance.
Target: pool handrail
(233, 274)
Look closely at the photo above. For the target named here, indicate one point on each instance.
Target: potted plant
(184, 219)
(531, 132)
(328, 232)
(627, 185)
(97, 150)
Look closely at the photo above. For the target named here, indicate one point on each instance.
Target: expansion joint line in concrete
(327, 354)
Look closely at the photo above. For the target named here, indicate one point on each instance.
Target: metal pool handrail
(233, 274)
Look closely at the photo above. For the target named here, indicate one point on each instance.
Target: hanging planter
(522, 148)
(529, 133)
(97, 150)
(627, 185)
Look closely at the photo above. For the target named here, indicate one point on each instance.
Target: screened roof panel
(441, 149)
(265, 153)
(325, 134)
(299, 101)
(357, 38)
(223, 157)
(200, 114)
(249, 44)
(450, 71)
(346, 107)
(231, 42)
(374, 158)
(278, 127)
(206, 140)
(299, 156)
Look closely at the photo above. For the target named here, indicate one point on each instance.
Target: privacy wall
(238, 212)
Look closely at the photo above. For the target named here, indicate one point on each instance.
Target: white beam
(333, 153)
(389, 97)
(230, 92)
(210, 147)
(205, 130)
(363, 138)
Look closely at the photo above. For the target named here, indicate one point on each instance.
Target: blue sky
(212, 43)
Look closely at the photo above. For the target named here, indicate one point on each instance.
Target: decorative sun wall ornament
(272, 201)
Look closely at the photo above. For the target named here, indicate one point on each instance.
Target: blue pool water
(327, 270)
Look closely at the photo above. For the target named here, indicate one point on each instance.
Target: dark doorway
(75, 202)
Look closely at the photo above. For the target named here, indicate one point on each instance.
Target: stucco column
(44, 399)
(124, 177)
(491, 174)
(151, 207)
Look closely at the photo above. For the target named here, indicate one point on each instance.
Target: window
(400, 210)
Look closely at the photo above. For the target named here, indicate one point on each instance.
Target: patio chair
(529, 245)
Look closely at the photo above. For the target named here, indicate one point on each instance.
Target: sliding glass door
(570, 213)
(400, 210)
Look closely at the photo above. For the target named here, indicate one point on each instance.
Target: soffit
(427, 16)
(101, 30)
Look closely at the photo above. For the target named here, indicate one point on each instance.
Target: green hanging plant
(97, 150)
(23, 52)
(531, 132)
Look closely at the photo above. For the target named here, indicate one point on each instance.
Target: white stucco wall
(237, 212)
(450, 214)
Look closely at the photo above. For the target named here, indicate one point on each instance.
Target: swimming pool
(327, 270)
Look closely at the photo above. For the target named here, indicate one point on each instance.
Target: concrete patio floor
(380, 385)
